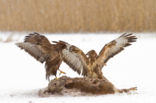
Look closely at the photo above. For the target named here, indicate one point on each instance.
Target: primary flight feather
(42, 50)
(90, 64)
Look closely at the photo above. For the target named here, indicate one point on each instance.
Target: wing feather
(113, 48)
(37, 46)
(37, 39)
(42, 50)
(33, 50)
(75, 59)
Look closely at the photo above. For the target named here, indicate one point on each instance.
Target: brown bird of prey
(91, 64)
(42, 50)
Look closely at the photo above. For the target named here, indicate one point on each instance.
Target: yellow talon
(56, 78)
(61, 72)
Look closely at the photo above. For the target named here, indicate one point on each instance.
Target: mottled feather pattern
(114, 47)
(42, 50)
(51, 64)
(37, 46)
(33, 50)
(74, 59)
(37, 39)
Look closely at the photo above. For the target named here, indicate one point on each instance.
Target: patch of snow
(21, 76)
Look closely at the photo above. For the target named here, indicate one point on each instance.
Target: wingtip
(126, 34)
(130, 37)
(17, 44)
(33, 33)
(55, 42)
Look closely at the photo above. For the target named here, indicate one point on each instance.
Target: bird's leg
(55, 78)
(47, 77)
(61, 72)
(104, 64)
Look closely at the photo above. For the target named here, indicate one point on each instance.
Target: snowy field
(21, 76)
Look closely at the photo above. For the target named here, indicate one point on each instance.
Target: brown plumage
(92, 56)
(114, 47)
(42, 50)
(91, 66)
(74, 58)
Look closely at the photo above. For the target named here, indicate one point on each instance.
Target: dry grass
(8, 39)
(78, 15)
(1, 39)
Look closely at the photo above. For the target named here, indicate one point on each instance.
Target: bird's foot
(61, 72)
(56, 78)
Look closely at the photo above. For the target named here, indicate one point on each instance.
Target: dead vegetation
(78, 15)
(1, 40)
(8, 39)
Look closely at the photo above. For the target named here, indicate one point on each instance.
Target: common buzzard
(42, 50)
(91, 64)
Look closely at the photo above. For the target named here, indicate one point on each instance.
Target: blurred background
(55, 16)
(91, 24)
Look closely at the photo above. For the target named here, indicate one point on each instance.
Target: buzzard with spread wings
(42, 50)
(91, 64)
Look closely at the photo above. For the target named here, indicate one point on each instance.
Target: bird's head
(92, 54)
(60, 44)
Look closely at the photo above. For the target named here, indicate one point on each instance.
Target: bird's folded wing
(113, 48)
(75, 59)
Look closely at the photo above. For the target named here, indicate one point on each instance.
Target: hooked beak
(88, 53)
(60, 44)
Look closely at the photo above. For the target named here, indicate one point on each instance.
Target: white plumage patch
(121, 41)
(72, 59)
(32, 50)
(113, 48)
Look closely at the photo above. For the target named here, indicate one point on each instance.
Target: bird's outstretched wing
(42, 50)
(75, 58)
(37, 46)
(113, 48)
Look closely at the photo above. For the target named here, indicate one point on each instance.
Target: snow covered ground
(21, 76)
